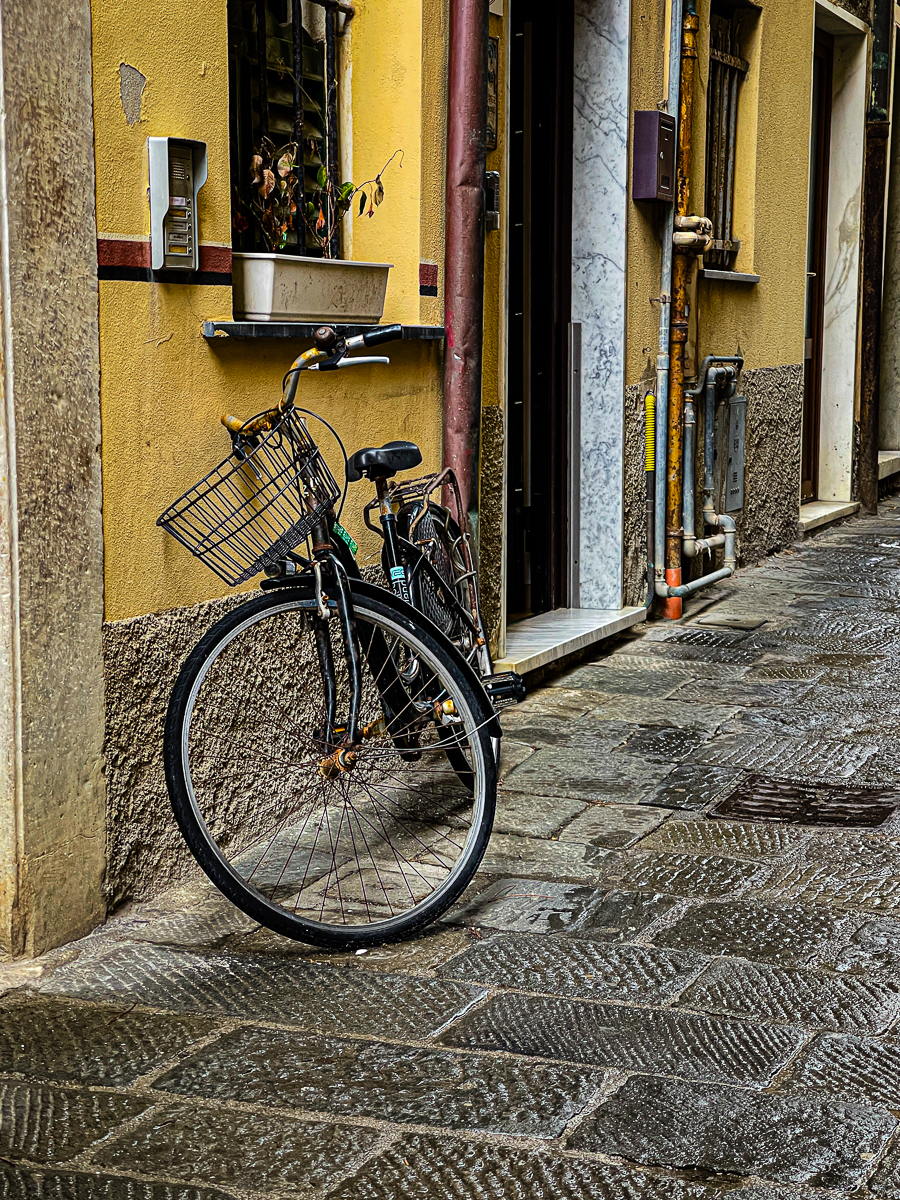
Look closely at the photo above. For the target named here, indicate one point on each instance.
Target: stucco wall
(764, 322)
(163, 385)
(51, 552)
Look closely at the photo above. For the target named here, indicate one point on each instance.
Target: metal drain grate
(759, 798)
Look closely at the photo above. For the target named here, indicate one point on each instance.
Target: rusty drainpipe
(684, 264)
(464, 252)
(878, 127)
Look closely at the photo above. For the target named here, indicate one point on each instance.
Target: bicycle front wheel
(336, 858)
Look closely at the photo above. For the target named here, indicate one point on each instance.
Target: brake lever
(336, 364)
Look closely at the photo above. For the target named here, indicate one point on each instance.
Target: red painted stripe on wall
(114, 252)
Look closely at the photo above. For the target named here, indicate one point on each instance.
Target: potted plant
(275, 286)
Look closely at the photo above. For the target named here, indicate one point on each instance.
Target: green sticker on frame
(345, 537)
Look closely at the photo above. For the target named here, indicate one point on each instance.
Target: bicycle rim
(357, 857)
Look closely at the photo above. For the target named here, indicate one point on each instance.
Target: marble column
(601, 117)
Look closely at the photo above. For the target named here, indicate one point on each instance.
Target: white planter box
(281, 287)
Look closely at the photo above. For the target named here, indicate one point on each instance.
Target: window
(278, 112)
(727, 71)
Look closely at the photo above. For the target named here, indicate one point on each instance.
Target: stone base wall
(769, 519)
(142, 657)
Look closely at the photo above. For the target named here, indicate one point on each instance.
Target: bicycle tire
(224, 846)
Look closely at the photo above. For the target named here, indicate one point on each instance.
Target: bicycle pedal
(504, 689)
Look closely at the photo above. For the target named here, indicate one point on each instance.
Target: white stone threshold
(551, 636)
(825, 512)
(888, 463)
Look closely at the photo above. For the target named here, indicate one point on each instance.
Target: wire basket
(256, 506)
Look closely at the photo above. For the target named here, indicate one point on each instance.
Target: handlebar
(330, 352)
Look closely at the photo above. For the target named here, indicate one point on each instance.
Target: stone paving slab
(581, 967)
(693, 787)
(277, 1152)
(529, 906)
(50, 1125)
(631, 658)
(785, 935)
(886, 1180)
(533, 816)
(613, 825)
(743, 693)
(657, 685)
(806, 1140)
(572, 862)
(663, 743)
(850, 1067)
(788, 757)
(269, 989)
(628, 1039)
(692, 875)
(741, 839)
(817, 1000)
(639, 711)
(26, 1183)
(386, 1082)
(559, 772)
(420, 1167)
(79, 1044)
(673, 652)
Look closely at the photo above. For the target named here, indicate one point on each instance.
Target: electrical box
(653, 172)
(736, 454)
(492, 200)
(178, 171)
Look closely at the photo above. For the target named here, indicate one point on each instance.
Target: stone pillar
(602, 36)
(52, 826)
(889, 407)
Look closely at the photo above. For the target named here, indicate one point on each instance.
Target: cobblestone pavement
(636, 1000)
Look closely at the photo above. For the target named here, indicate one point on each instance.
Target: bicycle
(328, 749)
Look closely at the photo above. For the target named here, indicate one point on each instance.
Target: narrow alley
(676, 976)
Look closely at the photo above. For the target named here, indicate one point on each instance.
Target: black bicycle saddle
(383, 462)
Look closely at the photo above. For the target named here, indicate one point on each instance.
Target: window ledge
(299, 329)
(730, 276)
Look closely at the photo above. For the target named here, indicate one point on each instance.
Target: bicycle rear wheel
(342, 858)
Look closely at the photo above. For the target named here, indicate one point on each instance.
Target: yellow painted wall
(163, 385)
(765, 321)
(771, 189)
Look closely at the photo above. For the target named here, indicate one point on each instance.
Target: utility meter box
(178, 171)
(653, 172)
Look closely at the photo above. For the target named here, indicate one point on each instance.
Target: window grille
(283, 102)
(727, 71)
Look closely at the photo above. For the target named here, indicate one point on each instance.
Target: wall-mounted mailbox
(177, 173)
(653, 174)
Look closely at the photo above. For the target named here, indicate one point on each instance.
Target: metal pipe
(464, 245)
(686, 589)
(878, 127)
(665, 317)
(682, 275)
(650, 476)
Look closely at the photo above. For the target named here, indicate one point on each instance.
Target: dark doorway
(819, 155)
(540, 299)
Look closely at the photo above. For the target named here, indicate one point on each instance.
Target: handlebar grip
(384, 333)
(259, 424)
